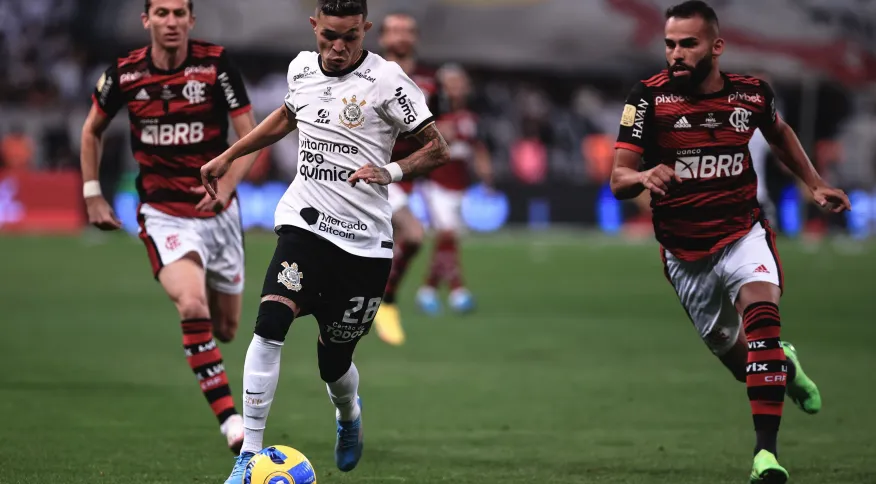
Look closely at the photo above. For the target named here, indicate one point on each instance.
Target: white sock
(343, 395)
(261, 371)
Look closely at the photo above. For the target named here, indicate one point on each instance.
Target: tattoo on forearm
(433, 153)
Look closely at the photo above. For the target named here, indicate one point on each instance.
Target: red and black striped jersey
(460, 129)
(405, 145)
(179, 119)
(704, 138)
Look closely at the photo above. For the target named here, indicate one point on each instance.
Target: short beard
(696, 77)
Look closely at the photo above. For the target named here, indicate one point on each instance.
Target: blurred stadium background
(557, 376)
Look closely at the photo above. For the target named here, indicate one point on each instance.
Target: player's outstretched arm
(243, 124)
(790, 152)
(628, 182)
(275, 127)
(433, 154)
(100, 213)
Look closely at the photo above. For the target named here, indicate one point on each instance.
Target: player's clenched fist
(371, 174)
(101, 215)
(659, 179)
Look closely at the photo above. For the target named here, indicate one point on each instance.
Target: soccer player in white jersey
(335, 248)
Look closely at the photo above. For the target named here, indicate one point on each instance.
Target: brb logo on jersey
(173, 134)
(708, 166)
(352, 116)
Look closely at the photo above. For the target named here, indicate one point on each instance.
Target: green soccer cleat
(766, 469)
(803, 391)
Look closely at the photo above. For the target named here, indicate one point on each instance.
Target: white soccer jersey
(345, 121)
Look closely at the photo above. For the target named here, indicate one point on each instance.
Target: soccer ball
(279, 464)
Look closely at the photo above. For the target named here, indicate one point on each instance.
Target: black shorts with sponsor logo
(341, 290)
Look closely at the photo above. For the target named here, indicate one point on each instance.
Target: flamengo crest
(195, 91)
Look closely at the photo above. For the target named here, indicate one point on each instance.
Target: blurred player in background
(180, 94)
(688, 129)
(445, 188)
(398, 39)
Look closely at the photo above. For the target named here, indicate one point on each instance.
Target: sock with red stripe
(205, 359)
(445, 263)
(452, 269)
(437, 265)
(766, 373)
(401, 258)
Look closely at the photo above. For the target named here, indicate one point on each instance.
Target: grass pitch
(579, 366)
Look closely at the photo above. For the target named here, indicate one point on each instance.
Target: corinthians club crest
(290, 277)
(352, 116)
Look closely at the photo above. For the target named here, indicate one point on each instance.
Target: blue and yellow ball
(279, 464)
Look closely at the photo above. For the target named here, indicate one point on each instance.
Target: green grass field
(578, 367)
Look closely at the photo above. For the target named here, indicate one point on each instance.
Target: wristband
(91, 188)
(395, 171)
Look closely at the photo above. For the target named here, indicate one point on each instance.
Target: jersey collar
(345, 71)
(182, 66)
(728, 86)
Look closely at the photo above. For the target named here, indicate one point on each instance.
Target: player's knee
(411, 234)
(334, 360)
(274, 319)
(757, 293)
(192, 306)
(412, 238)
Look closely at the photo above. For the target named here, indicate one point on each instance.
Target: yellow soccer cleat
(388, 324)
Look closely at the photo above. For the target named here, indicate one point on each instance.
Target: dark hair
(694, 8)
(343, 8)
(397, 13)
(149, 4)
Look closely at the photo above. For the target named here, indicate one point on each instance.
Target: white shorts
(398, 197)
(445, 207)
(218, 241)
(708, 288)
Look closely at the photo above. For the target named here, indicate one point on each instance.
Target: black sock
(766, 439)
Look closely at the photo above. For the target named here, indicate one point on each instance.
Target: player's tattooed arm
(787, 148)
(433, 154)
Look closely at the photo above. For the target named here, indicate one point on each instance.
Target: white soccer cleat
(461, 300)
(232, 429)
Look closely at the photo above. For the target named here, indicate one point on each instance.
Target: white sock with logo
(261, 371)
(343, 394)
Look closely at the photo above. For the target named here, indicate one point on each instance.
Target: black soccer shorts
(341, 290)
